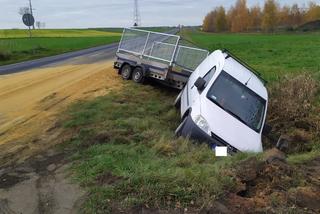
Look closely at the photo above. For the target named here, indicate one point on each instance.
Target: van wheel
(178, 131)
(177, 102)
(126, 71)
(137, 75)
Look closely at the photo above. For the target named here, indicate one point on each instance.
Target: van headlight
(202, 124)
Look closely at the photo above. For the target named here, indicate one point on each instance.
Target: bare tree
(24, 10)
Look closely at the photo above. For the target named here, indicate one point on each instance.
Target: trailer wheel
(126, 71)
(137, 75)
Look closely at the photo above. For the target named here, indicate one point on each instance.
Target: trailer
(162, 56)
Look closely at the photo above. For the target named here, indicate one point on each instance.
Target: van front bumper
(191, 130)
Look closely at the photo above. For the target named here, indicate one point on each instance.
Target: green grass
(130, 134)
(13, 50)
(273, 55)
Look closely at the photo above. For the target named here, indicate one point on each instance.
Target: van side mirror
(200, 84)
(266, 129)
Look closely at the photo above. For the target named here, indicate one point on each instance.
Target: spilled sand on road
(30, 102)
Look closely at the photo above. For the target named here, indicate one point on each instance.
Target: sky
(116, 13)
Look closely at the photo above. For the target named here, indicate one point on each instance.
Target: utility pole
(136, 14)
(31, 11)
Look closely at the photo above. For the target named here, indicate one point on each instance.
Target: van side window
(209, 75)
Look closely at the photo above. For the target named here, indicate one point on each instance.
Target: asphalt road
(91, 55)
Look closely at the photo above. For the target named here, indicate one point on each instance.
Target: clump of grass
(158, 170)
(291, 99)
(293, 110)
(303, 157)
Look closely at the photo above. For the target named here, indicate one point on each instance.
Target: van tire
(126, 72)
(138, 75)
(178, 131)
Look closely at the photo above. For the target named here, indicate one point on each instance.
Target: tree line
(240, 18)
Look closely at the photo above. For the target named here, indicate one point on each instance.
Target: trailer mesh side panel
(151, 45)
(161, 47)
(161, 50)
(133, 41)
(190, 58)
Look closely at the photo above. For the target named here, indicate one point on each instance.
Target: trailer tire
(126, 72)
(138, 75)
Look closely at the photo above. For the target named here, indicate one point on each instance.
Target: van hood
(230, 129)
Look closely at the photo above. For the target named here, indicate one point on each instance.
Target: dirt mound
(274, 186)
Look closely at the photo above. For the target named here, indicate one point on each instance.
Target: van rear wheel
(126, 71)
(137, 75)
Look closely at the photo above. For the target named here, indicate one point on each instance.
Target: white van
(224, 103)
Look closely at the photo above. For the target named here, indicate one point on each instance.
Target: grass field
(272, 55)
(15, 46)
(126, 152)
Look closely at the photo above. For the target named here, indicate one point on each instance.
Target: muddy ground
(33, 173)
(41, 184)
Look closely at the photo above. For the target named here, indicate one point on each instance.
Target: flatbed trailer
(144, 54)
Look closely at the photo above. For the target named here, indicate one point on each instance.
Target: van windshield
(238, 100)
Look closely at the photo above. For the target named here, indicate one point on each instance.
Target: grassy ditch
(127, 153)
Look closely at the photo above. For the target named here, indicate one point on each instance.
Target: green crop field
(272, 55)
(126, 152)
(16, 46)
(55, 33)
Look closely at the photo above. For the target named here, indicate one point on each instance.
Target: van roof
(245, 75)
(227, 54)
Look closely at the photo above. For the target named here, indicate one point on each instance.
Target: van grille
(220, 142)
